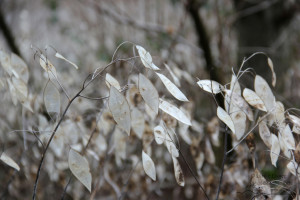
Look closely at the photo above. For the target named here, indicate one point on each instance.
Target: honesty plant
(130, 116)
(136, 110)
(269, 113)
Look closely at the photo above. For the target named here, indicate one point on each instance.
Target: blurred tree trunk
(193, 6)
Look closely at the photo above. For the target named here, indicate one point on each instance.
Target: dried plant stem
(223, 162)
(65, 189)
(194, 175)
(297, 184)
(86, 83)
(251, 130)
(49, 141)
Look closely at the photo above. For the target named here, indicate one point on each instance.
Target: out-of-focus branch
(254, 9)
(101, 8)
(8, 35)
(286, 14)
(148, 27)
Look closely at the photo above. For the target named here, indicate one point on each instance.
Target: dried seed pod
(250, 142)
(260, 186)
(297, 153)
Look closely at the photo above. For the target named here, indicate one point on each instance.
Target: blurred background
(198, 38)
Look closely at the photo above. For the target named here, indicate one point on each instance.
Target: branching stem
(48, 144)
(84, 86)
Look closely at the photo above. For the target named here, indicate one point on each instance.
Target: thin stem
(95, 74)
(123, 193)
(223, 162)
(297, 175)
(297, 183)
(39, 140)
(48, 144)
(93, 98)
(112, 59)
(246, 59)
(23, 127)
(194, 175)
(64, 90)
(107, 157)
(246, 135)
(84, 86)
(65, 189)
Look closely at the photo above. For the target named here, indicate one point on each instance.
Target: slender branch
(84, 150)
(93, 98)
(260, 120)
(65, 189)
(147, 27)
(48, 144)
(39, 140)
(264, 5)
(84, 86)
(123, 193)
(223, 162)
(63, 89)
(101, 8)
(194, 175)
(106, 159)
(24, 124)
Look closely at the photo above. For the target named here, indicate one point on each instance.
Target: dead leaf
(159, 134)
(110, 80)
(270, 63)
(52, 99)
(178, 172)
(174, 112)
(293, 167)
(137, 122)
(296, 123)
(210, 86)
(172, 88)
(288, 137)
(234, 85)
(119, 108)
(148, 166)
(149, 93)
(146, 58)
(169, 142)
(224, 117)
(9, 161)
(58, 55)
(48, 66)
(254, 100)
(79, 166)
(239, 120)
(174, 77)
(263, 90)
(237, 103)
(12, 91)
(275, 150)
(265, 134)
(21, 89)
